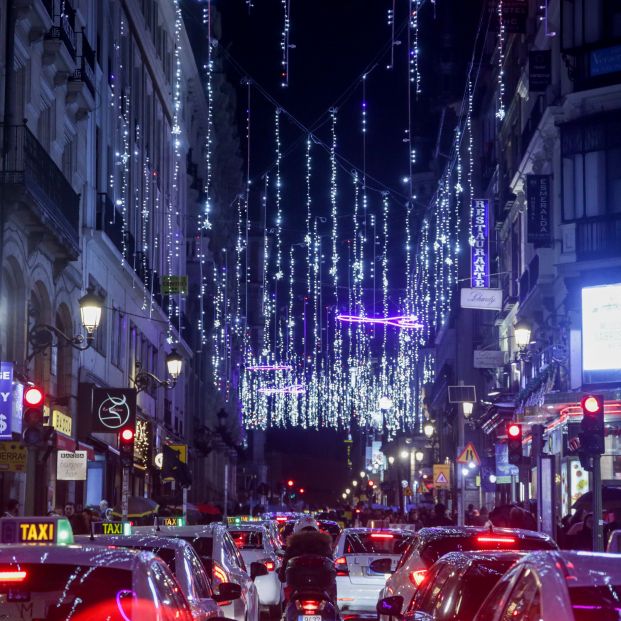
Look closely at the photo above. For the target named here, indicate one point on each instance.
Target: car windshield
(247, 540)
(375, 543)
(434, 549)
(58, 592)
(596, 602)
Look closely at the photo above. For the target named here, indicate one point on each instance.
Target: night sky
(336, 42)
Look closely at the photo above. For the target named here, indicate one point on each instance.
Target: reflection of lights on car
(121, 595)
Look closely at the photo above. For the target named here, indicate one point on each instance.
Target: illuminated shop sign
(480, 243)
(601, 334)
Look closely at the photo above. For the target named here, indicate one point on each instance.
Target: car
(53, 578)
(256, 545)
(327, 527)
(222, 561)
(182, 561)
(364, 557)
(434, 542)
(454, 588)
(555, 585)
(272, 527)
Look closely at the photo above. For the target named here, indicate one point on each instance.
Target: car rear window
(247, 540)
(596, 602)
(202, 545)
(375, 543)
(58, 591)
(436, 548)
(166, 554)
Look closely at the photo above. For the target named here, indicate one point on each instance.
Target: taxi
(182, 561)
(434, 542)
(550, 586)
(44, 575)
(222, 561)
(257, 545)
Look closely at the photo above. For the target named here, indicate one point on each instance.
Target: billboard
(601, 334)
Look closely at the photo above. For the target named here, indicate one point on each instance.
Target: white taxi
(52, 578)
(184, 563)
(550, 586)
(364, 559)
(257, 545)
(222, 561)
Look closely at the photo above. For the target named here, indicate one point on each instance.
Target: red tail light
(496, 539)
(341, 566)
(417, 576)
(269, 565)
(382, 536)
(219, 575)
(13, 576)
(281, 519)
(310, 606)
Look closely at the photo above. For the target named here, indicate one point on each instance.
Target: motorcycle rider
(306, 539)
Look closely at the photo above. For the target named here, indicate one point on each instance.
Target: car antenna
(157, 523)
(92, 537)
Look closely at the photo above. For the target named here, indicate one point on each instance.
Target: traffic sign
(442, 476)
(13, 457)
(469, 455)
(182, 451)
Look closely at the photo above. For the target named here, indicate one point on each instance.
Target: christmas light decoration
(294, 389)
(269, 367)
(407, 322)
(500, 106)
(284, 43)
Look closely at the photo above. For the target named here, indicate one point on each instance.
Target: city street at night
(310, 310)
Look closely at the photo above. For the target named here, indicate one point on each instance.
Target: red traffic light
(290, 483)
(591, 404)
(301, 490)
(514, 430)
(127, 435)
(33, 397)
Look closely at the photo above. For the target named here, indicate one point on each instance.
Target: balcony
(85, 71)
(598, 238)
(62, 33)
(31, 176)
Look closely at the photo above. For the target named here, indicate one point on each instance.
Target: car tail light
(382, 536)
(13, 576)
(281, 520)
(310, 606)
(496, 539)
(219, 575)
(341, 566)
(269, 564)
(417, 576)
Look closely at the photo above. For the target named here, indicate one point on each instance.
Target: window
(375, 543)
(430, 599)
(602, 600)
(119, 338)
(525, 600)
(232, 552)
(494, 600)
(174, 603)
(247, 539)
(199, 577)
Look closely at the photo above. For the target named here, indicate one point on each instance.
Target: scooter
(311, 583)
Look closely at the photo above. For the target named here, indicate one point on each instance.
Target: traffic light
(34, 433)
(514, 442)
(290, 483)
(126, 446)
(592, 425)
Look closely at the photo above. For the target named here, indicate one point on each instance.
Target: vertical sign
(480, 243)
(6, 400)
(539, 70)
(539, 220)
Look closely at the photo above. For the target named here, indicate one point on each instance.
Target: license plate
(309, 617)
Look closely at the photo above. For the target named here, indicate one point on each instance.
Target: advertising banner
(71, 466)
(480, 243)
(6, 400)
(482, 299)
(601, 334)
(113, 409)
(539, 221)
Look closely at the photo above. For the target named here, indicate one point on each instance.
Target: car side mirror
(381, 566)
(227, 591)
(390, 606)
(257, 569)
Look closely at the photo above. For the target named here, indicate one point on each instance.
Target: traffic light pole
(125, 495)
(598, 522)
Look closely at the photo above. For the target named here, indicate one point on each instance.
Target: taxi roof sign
(36, 530)
(112, 528)
(172, 520)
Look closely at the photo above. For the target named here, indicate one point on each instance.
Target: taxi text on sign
(13, 457)
(442, 476)
(469, 455)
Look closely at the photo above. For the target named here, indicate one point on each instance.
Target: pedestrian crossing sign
(469, 455)
(442, 476)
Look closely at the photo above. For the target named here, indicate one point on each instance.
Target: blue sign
(480, 243)
(607, 60)
(504, 469)
(6, 400)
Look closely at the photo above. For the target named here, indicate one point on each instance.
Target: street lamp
(467, 407)
(354, 483)
(174, 367)
(419, 456)
(42, 336)
(391, 460)
(344, 495)
(363, 474)
(348, 491)
(522, 335)
(429, 429)
(404, 454)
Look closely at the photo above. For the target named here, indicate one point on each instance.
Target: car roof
(459, 559)
(206, 530)
(249, 527)
(138, 540)
(582, 569)
(432, 533)
(116, 558)
(364, 530)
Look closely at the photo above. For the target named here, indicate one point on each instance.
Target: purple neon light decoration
(407, 322)
(269, 367)
(294, 389)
